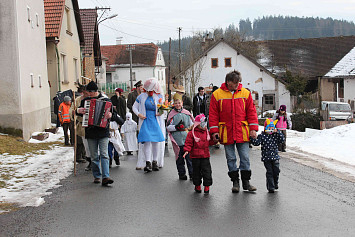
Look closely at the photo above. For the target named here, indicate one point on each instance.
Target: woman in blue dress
(150, 134)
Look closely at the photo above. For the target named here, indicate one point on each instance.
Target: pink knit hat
(199, 118)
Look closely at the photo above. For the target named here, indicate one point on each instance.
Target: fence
(109, 88)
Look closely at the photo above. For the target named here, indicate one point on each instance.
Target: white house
(147, 61)
(222, 58)
(25, 92)
(344, 73)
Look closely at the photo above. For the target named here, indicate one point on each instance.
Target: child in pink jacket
(197, 142)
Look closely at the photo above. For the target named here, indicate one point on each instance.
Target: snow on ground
(31, 176)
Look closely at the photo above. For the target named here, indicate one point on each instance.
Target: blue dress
(150, 130)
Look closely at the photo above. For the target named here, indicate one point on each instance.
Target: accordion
(95, 113)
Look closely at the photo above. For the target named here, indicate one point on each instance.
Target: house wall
(25, 96)
(327, 90)
(252, 77)
(101, 76)
(89, 67)
(122, 75)
(349, 90)
(69, 45)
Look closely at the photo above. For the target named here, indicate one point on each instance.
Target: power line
(128, 33)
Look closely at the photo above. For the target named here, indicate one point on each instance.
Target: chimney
(118, 40)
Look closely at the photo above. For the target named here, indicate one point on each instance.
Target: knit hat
(177, 96)
(119, 90)
(198, 120)
(283, 108)
(67, 98)
(91, 86)
(269, 125)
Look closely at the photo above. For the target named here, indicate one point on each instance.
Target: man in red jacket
(233, 120)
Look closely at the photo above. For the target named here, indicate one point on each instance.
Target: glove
(180, 127)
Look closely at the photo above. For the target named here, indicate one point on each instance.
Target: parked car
(337, 110)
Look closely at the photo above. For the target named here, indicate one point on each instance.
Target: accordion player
(96, 111)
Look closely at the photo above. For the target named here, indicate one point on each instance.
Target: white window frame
(64, 68)
(76, 72)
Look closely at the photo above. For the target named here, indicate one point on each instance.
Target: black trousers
(202, 170)
(180, 163)
(272, 174)
(282, 146)
(69, 126)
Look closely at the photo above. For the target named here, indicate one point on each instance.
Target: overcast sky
(142, 21)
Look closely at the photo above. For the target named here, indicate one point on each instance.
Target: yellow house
(64, 36)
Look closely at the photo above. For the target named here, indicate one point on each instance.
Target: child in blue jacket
(269, 139)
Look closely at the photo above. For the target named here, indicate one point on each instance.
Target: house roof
(91, 36)
(239, 51)
(312, 57)
(345, 67)
(118, 56)
(53, 14)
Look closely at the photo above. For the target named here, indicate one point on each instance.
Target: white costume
(115, 138)
(129, 129)
(149, 151)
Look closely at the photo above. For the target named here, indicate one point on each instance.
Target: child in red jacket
(197, 142)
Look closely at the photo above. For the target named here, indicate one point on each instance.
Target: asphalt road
(309, 203)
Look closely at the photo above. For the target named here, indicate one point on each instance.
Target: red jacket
(198, 149)
(232, 115)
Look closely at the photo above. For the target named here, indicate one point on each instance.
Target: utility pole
(179, 50)
(169, 68)
(129, 48)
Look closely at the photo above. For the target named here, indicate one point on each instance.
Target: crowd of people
(227, 116)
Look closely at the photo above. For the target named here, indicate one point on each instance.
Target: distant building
(147, 61)
(221, 58)
(25, 99)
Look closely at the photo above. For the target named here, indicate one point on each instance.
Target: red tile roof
(143, 55)
(53, 14)
(88, 21)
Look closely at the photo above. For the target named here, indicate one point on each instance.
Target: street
(309, 203)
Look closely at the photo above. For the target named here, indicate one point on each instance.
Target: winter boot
(183, 177)
(207, 189)
(234, 175)
(117, 160)
(155, 166)
(245, 175)
(148, 167)
(198, 189)
(88, 168)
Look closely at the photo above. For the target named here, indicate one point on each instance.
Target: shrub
(303, 120)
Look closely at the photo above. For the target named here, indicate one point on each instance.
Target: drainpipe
(58, 66)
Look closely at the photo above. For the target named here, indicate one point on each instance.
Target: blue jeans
(110, 149)
(243, 152)
(101, 145)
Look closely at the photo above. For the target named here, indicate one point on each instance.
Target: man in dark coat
(132, 98)
(200, 103)
(119, 102)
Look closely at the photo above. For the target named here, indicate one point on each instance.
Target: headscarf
(198, 120)
(152, 84)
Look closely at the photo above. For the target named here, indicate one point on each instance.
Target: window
(269, 99)
(76, 75)
(31, 75)
(227, 62)
(37, 19)
(67, 13)
(214, 62)
(39, 81)
(64, 68)
(28, 13)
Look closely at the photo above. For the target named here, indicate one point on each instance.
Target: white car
(337, 110)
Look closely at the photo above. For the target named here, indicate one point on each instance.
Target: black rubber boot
(148, 167)
(234, 175)
(117, 160)
(155, 166)
(245, 175)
